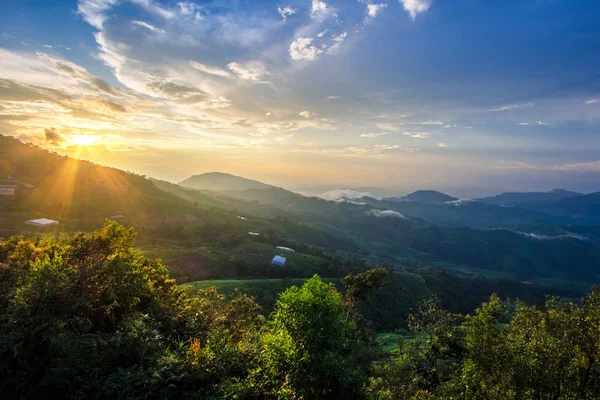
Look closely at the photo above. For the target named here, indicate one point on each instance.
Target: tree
(362, 285)
(487, 371)
(309, 346)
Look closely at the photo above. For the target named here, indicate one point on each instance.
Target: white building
(7, 190)
(286, 249)
(41, 222)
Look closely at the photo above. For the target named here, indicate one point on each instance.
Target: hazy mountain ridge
(219, 181)
(357, 231)
(425, 197)
(529, 198)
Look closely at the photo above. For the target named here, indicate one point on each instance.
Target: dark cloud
(116, 107)
(53, 137)
(65, 68)
(100, 84)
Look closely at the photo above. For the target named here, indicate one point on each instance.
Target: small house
(286, 249)
(7, 190)
(279, 260)
(41, 222)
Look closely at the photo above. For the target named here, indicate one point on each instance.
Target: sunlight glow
(82, 140)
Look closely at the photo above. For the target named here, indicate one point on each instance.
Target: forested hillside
(90, 317)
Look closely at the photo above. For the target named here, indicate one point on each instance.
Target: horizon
(310, 94)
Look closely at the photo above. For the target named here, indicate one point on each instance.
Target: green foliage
(309, 348)
(90, 317)
(549, 352)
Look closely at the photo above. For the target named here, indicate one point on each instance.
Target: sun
(82, 140)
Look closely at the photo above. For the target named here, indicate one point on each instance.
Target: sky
(469, 96)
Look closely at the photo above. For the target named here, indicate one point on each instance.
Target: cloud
(147, 26)
(322, 33)
(523, 123)
(286, 11)
(209, 70)
(430, 122)
(318, 9)
(417, 135)
(374, 134)
(509, 107)
(592, 101)
(542, 123)
(307, 114)
(337, 41)
(593, 166)
(442, 145)
(387, 127)
(343, 193)
(92, 11)
(415, 7)
(301, 49)
(373, 10)
(53, 137)
(251, 71)
(332, 97)
(387, 214)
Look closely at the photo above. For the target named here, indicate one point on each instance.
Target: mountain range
(460, 236)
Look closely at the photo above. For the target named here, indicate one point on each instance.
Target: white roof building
(253, 233)
(279, 260)
(41, 222)
(286, 249)
(7, 190)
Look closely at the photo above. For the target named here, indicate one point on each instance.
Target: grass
(228, 286)
(388, 342)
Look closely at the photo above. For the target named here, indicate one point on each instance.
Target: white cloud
(286, 11)
(442, 145)
(318, 9)
(387, 214)
(542, 123)
(301, 49)
(430, 122)
(509, 107)
(592, 101)
(252, 71)
(307, 114)
(417, 135)
(415, 7)
(343, 193)
(332, 97)
(322, 33)
(147, 26)
(387, 127)
(92, 11)
(373, 10)
(374, 134)
(337, 41)
(210, 70)
(523, 123)
(593, 166)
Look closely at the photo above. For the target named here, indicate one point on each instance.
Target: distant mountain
(219, 181)
(529, 198)
(585, 206)
(425, 197)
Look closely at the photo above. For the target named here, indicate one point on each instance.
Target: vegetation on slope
(90, 317)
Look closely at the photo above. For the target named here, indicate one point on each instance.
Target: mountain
(219, 181)
(529, 198)
(585, 206)
(471, 214)
(425, 197)
(210, 229)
